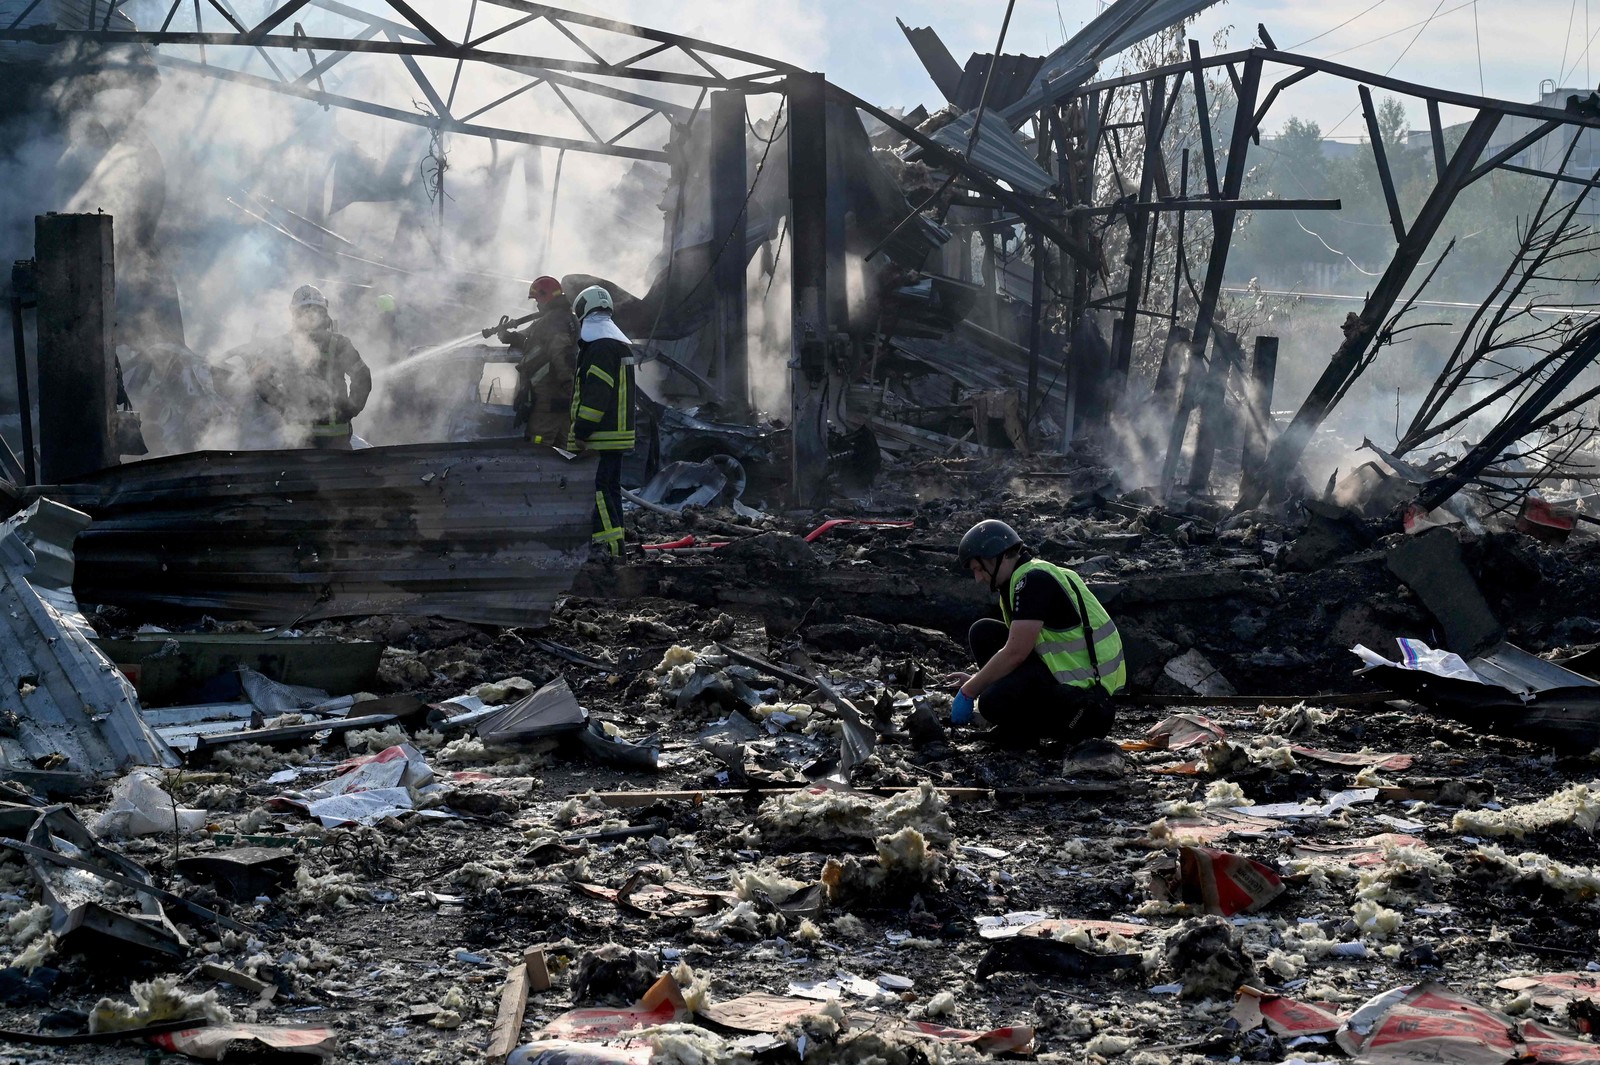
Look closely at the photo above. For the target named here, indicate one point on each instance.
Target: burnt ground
(399, 936)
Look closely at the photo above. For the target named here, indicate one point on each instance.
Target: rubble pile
(724, 818)
(613, 704)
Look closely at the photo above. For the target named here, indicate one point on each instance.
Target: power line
(1398, 32)
(1346, 22)
(1420, 30)
(1566, 45)
(1478, 37)
(1584, 56)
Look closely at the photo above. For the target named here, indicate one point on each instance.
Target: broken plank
(82, 1038)
(296, 733)
(621, 800)
(538, 971)
(244, 981)
(1066, 789)
(763, 666)
(1344, 699)
(577, 658)
(508, 1022)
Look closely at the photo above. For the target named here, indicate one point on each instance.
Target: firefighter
(602, 409)
(1048, 669)
(312, 376)
(547, 350)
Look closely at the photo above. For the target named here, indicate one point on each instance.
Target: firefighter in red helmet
(547, 352)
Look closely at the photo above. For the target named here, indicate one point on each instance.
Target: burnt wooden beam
(1381, 157)
(1348, 358)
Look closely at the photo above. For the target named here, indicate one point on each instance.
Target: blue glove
(961, 709)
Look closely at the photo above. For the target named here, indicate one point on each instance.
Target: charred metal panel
(489, 533)
(61, 698)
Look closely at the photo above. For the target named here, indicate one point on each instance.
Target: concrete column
(808, 205)
(77, 345)
(730, 223)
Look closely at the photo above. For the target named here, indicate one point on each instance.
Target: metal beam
(1138, 225)
(1272, 96)
(448, 50)
(1178, 204)
(258, 35)
(937, 154)
(633, 30)
(1287, 449)
(1209, 397)
(1436, 135)
(414, 118)
(1538, 112)
(1208, 151)
(1566, 179)
(1381, 158)
(1522, 143)
(409, 13)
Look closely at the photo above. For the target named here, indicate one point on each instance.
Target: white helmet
(308, 296)
(594, 298)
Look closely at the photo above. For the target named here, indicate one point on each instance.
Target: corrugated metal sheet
(977, 366)
(936, 58)
(999, 153)
(1012, 78)
(1516, 670)
(59, 694)
(1076, 61)
(487, 532)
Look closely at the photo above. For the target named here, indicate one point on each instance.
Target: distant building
(1331, 149)
(1547, 153)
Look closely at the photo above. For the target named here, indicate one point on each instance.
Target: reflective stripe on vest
(621, 436)
(608, 440)
(1066, 651)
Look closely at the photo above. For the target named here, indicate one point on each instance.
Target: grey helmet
(308, 296)
(990, 538)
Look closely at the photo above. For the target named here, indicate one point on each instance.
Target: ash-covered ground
(1468, 861)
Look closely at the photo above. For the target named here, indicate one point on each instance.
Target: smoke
(227, 197)
(771, 324)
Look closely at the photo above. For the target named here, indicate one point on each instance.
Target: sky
(859, 46)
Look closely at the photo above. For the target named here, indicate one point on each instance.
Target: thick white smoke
(208, 173)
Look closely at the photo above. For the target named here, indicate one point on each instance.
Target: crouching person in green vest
(1049, 669)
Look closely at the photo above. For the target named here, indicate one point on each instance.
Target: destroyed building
(360, 754)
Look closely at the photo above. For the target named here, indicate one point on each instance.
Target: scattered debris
(369, 748)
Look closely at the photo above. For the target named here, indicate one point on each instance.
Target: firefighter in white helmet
(602, 408)
(312, 376)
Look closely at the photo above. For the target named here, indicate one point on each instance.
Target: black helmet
(990, 538)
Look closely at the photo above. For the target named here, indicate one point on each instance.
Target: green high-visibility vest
(1067, 651)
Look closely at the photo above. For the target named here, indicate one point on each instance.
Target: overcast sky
(858, 45)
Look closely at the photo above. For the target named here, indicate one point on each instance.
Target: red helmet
(544, 288)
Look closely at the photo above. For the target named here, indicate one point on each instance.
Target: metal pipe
(24, 396)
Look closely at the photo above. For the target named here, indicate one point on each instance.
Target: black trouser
(608, 502)
(1029, 704)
